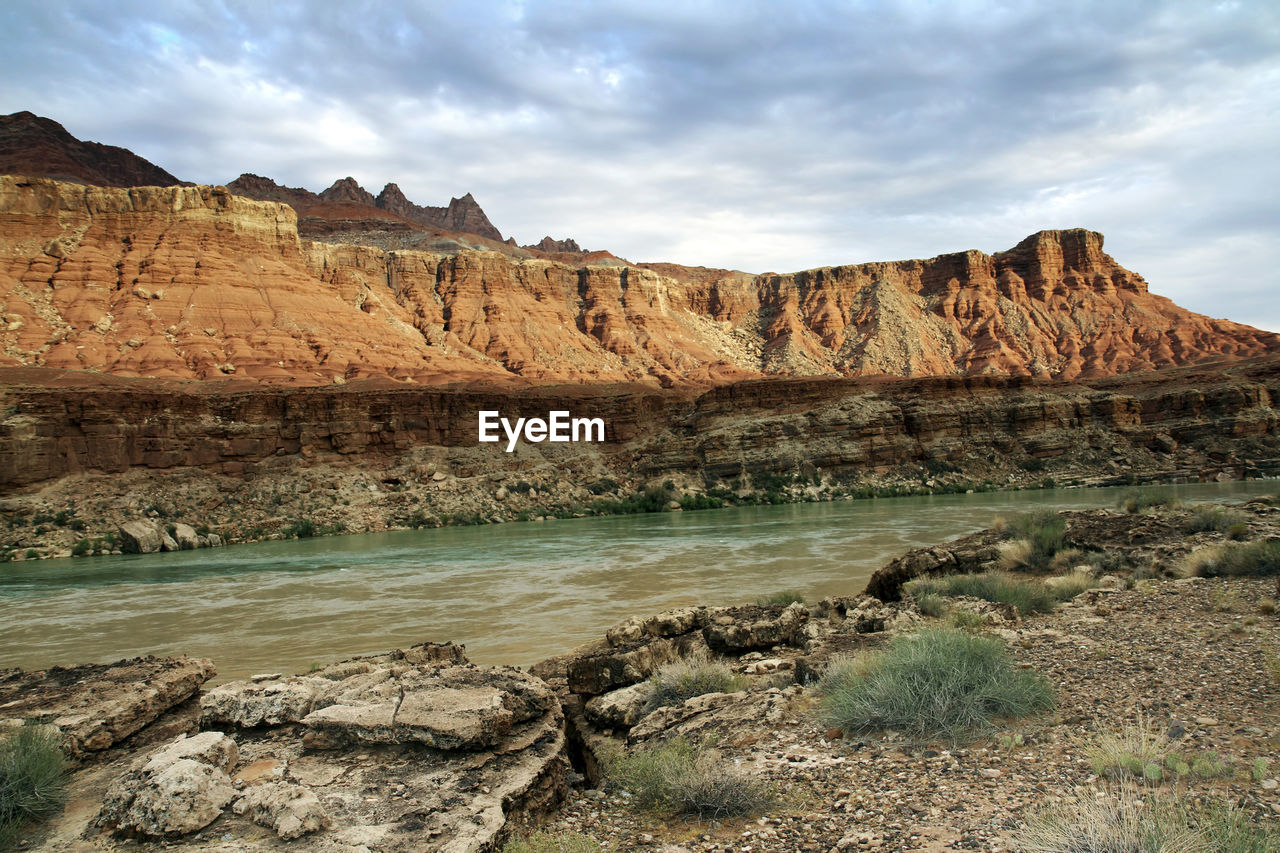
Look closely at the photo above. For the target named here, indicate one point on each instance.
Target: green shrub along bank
(696, 675)
(678, 778)
(32, 778)
(1261, 558)
(1027, 595)
(938, 683)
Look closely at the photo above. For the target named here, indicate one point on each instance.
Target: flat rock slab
(98, 705)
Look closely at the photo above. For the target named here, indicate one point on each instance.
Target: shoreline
(1188, 652)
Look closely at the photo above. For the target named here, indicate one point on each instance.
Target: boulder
(249, 704)
(139, 537)
(291, 810)
(167, 543)
(174, 790)
(186, 537)
(619, 708)
(737, 629)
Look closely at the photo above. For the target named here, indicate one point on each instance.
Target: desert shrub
(81, 547)
(1128, 822)
(967, 620)
(1066, 560)
(1238, 532)
(1214, 518)
(1127, 752)
(938, 682)
(679, 778)
(602, 486)
(1249, 558)
(1028, 596)
(1142, 499)
(32, 778)
(695, 675)
(301, 529)
(783, 597)
(931, 604)
(1037, 538)
(560, 842)
(1139, 751)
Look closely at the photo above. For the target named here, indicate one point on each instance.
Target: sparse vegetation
(783, 597)
(302, 529)
(696, 675)
(32, 778)
(1143, 499)
(1024, 594)
(1250, 558)
(1215, 518)
(545, 842)
(1130, 822)
(937, 683)
(678, 778)
(1037, 537)
(1139, 751)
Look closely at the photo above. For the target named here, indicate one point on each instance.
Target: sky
(762, 136)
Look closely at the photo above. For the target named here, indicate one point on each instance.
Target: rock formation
(455, 754)
(31, 145)
(97, 706)
(199, 283)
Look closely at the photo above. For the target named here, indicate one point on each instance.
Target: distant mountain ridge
(41, 148)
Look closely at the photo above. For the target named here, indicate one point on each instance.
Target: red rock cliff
(198, 283)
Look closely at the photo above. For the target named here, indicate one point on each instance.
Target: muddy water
(513, 593)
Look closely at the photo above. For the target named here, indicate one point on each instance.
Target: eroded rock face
(97, 705)
(453, 750)
(291, 810)
(197, 282)
(175, 790)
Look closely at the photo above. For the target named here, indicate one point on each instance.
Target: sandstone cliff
(198, 283)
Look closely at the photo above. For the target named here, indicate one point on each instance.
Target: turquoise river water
(513, 593)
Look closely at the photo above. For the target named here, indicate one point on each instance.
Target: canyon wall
(197, 283)
(1190, 419)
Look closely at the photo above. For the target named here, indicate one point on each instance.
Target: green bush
(1250, 558)
(1214, 518)
(783, 597)
(545, 842)
(678, 778)
(32, 778)
(1142, 499)
(696, 675)
(1028, 596)
(302, 529)
(940, 682)
(1039, 535)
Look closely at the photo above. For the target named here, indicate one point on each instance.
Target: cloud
(741, 134)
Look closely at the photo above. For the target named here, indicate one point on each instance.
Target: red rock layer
(199, 283)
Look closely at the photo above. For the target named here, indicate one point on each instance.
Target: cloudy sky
(751, 135)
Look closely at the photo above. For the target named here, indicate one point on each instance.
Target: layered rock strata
(200, 283)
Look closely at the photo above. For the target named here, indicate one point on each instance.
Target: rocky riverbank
(81, 457)
(419, 750)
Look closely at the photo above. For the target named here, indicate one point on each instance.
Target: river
(513, 593)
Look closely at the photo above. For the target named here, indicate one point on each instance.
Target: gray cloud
(742, 134)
